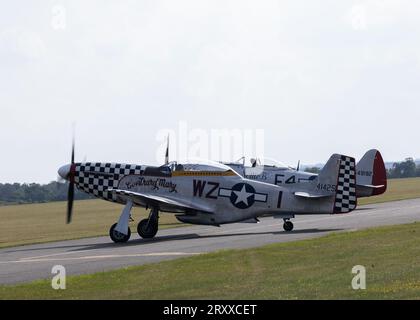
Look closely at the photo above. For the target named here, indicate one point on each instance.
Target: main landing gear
(288, 225)
(120, 232)
(119, 237)
(147, 228)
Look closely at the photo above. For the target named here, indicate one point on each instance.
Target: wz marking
(200, 185)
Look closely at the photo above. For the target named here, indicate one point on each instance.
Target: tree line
(405, 169)
(17, 193)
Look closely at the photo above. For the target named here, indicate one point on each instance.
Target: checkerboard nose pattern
(97, 178)
(346, 200)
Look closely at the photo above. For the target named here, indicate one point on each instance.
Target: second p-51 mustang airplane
(208, 194)
(370, 173)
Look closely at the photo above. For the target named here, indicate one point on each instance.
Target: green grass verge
(310, 269)
(38, 223)
(45, 222)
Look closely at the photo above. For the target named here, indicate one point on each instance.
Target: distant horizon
(303, 165)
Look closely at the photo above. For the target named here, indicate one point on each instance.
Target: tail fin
(371, 174)
(340, 172)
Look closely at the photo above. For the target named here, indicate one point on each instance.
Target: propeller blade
(298, 166)
(72, 152)
(70, 193)
(70, 199)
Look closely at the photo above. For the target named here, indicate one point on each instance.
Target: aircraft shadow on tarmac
(188, 236)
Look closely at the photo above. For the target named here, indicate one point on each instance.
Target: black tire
(118, 237)
(147, 230)
(288, 226)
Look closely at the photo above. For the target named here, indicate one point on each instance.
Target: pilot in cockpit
(253, 162)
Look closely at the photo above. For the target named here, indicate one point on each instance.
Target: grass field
(398, 189)
(36, 223)
(311, 269)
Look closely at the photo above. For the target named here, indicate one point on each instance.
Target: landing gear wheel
(288, 226)
(146, 229)
(119, 237)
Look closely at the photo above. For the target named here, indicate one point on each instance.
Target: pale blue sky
(318, 76)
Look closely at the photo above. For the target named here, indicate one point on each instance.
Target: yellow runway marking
(98, 257)
(53, 255)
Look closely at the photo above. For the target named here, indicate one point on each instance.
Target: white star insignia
(242, 196)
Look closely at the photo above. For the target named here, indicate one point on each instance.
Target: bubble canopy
(199, 165)
(269, 162)
(261, 162)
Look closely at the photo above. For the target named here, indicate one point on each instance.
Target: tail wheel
(147, 229)
(288, 226)
(119, 237)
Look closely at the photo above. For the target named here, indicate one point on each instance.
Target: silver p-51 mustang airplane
(208, 194)
(370, 174)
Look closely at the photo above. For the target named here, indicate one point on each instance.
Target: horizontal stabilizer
(370, 186)
(312, 195)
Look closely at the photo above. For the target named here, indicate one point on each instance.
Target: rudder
(371, 174)
(338, 178)
(346, 198)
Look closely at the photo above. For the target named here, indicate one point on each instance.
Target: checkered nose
(64, 171)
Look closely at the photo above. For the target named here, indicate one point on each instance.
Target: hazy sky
(317, 76)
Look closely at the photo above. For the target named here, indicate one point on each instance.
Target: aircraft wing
(161, 202)
(312, 195)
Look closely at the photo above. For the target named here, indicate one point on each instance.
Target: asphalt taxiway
(32, 262)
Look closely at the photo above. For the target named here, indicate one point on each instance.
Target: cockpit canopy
(272, 163)
(266, 163)
(210, 166)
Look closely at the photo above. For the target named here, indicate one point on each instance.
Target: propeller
(298, 166)
(70, 192)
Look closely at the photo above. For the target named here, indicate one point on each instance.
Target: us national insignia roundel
(242, 196)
